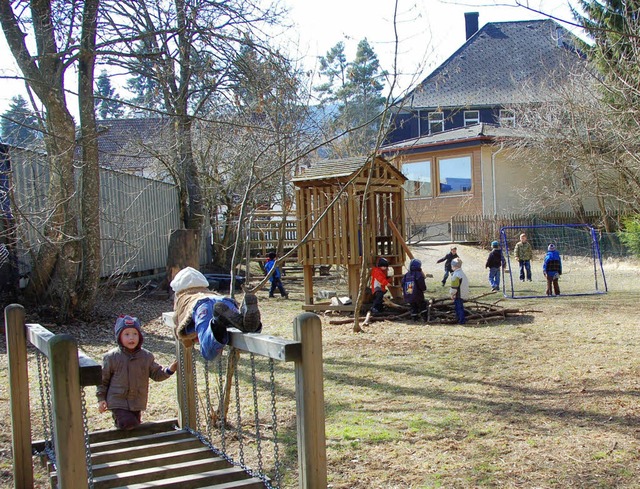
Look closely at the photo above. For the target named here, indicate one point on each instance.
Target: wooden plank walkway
(159, 455)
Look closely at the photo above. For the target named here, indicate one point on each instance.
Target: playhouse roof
(341, 168)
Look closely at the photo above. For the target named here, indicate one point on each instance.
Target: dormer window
(471, 117)
(507, 118)
(436, 122)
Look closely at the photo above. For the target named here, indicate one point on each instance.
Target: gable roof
(340, 168)
(503, 63)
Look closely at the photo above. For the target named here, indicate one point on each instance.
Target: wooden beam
(19, 395)
(401, 240)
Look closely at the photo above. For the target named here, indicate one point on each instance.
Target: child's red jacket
(379, 280)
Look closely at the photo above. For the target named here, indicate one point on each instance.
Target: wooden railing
(305, 351)
(70, 371)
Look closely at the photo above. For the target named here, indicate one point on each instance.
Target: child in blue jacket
(275, 279)
(413, 289)
(552, 269)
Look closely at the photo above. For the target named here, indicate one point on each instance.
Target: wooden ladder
(158, 455)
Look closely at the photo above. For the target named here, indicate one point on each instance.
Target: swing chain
(45, 400)
(274, 416)
(87, 441)
(256, 412)
(239, 433)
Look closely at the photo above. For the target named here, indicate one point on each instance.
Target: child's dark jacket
(495, 259)
(413, 283)
(447, 261)
(552, 263)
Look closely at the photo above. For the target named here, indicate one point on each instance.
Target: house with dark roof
(446, 133)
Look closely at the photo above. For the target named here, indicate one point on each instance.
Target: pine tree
(107, 100)
(20, 124)
(355, 89)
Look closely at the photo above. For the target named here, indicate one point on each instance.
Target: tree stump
(184, 251)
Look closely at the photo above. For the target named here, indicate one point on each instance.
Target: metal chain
(256, 412)
(221, 414)
(274, 417)
(87, 442)
(209, 415)
(194, 374)
(49, 446)
(239, 433)
(183, 380)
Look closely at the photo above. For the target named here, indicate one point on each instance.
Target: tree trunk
(184, 248)
(90, 177)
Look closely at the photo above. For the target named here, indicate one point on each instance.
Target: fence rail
(484, 229)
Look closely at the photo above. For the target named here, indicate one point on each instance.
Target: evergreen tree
(107, 100)
(147, 94)
(355, 89)
(19, 124)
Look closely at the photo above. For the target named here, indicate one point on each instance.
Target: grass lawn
(549, 399)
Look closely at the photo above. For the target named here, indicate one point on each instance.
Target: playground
(547, 399)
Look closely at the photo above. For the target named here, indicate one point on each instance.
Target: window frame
(428, 162)
(432, 121)
(507, 120)
(471, 120)
(452, 193)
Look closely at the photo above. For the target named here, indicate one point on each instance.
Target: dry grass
(546, 400)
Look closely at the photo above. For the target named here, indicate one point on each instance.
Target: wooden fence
(484, 229)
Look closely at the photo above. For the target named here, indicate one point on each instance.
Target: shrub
(630, 234)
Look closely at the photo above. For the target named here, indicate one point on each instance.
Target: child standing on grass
(453, 253)
(495, 262)
(552, 269)
(413, 288)
(459, 290)
(276, 276)
(126, 371)
(524, 253)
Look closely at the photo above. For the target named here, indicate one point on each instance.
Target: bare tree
(64, 34)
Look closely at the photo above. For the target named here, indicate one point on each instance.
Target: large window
(419, 179)
(436, 122)
(454, 174)
(471, 117)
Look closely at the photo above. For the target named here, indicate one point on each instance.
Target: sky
(428, 32)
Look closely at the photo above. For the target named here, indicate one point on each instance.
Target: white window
(454, 174)
(507, 118)
(436, 122)
(471, 117)
(419, 179)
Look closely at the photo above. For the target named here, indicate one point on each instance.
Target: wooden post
(19, 396)
(71, 460)
(312, 451)
(186, 386)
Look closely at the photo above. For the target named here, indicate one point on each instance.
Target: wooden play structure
(339, 225)
(197, 450)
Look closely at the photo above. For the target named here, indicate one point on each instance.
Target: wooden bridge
(164, 454)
